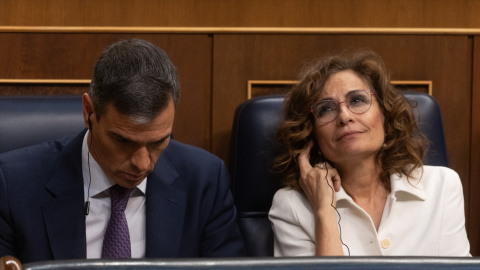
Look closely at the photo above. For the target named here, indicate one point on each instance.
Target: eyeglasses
(357, 101)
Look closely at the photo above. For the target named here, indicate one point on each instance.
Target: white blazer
(424, 218)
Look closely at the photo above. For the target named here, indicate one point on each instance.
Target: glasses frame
(338, 106)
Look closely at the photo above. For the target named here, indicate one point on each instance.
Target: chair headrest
(28, 120)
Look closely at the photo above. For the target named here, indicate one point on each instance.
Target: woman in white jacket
(352, 160)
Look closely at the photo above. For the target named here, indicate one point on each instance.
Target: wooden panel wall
(474, 187)
(72, 56)
(242, 13)
(214, 66)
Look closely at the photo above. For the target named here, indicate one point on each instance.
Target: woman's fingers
(334, 177)
(318, 181)
(337, 183)
(304, 160)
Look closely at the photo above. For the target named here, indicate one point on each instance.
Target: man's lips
(135, 176)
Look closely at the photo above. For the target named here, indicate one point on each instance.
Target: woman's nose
(344, 113)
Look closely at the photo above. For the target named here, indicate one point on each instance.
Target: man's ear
(89, 122)
(87, 110)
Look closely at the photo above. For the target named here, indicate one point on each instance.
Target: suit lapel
(165, 212)
(64, 218)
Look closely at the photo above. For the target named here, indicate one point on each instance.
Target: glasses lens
(325, 111)
(359, 101)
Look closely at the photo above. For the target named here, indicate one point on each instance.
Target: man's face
(126, 150)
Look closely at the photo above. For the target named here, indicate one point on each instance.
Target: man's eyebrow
(122, 138)
(164, 138)
(118, 136)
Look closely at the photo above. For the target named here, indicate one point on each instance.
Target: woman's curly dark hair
(405, 145)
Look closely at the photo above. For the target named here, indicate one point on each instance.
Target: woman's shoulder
(439, 172)
(436, 176)
(287, 194)
(438, 169)
(287, 198)
(291, 205)
(427, 179)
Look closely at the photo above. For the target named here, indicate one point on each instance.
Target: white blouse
(424, 218)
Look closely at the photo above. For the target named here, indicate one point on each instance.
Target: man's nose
(141, 159)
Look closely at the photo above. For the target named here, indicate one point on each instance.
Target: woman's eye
(325, 108)
(357, 100)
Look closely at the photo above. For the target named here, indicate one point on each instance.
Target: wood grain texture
(72, 56)
(215, 69)
(242, 13)
(474, 187)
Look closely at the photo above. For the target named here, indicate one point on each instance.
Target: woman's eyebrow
(349, 92)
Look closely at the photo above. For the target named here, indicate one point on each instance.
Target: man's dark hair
(136, 77)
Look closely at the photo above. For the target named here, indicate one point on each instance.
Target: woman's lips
(349, 133)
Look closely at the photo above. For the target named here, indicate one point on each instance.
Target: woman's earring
(384, 144)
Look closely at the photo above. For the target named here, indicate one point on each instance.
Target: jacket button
(385, 243)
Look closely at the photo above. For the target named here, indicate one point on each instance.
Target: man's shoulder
(190, 161)
(177, 151)
(45, 148)
(38, 153)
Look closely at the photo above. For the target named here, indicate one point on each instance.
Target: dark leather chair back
(252, 149)
(28, 120)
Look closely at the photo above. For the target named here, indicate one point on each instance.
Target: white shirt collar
(100, 182)
(400, 187)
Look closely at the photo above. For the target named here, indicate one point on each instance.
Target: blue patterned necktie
(116, 242)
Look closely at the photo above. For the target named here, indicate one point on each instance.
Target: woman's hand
(317, 182)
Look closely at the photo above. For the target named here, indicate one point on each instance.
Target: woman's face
(350, 136)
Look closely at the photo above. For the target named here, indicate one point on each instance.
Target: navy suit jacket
(189, 207)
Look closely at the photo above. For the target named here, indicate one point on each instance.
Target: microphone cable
(339, 216)
(87, 203)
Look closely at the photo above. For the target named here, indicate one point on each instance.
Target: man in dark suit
(56, 198)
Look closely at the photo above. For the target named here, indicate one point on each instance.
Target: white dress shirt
(423, 219)
(97, 219)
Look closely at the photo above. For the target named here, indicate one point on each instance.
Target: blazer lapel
(64, 217)
(165, 211)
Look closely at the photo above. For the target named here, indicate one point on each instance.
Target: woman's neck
(361, 180)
